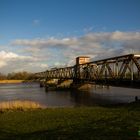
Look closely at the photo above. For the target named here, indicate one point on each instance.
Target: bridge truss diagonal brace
(93, 72)
(102, 70)
(106, 67)
(136, 63)
(110, 70)
(124, 67)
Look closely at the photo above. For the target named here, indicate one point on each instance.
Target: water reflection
(96, 95)
(90, 99)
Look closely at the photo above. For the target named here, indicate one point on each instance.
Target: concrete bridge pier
(51, 84)
(64, 84)
(42, 84)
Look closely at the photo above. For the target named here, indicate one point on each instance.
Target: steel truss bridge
(120, 68)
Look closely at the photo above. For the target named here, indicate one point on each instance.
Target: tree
(2, 76)
(20, 76)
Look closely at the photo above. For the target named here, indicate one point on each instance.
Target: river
(96, 95)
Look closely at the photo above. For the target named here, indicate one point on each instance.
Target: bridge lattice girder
(126, 66)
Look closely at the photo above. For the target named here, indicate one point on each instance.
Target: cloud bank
(88, 38)
(43, 53)
(12, 62)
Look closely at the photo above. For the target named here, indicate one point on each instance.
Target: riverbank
(11, 81)
(99, 123)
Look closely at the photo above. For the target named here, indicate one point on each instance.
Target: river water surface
(96, 95)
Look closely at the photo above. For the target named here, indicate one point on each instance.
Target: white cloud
(11, 61)
(90, 38)
(45, 42)
(44, 66)
(38, 65)
(88, 29)
(125, 36)
(36, 22)
(2, 64)
(112, 36)
(7, 55)
(62, 51)
(10, 57)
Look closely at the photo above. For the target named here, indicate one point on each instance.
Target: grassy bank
(11, 81)
(99, 123)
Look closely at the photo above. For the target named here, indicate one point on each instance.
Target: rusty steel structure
(125, 67)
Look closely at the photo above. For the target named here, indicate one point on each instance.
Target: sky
(36, 35)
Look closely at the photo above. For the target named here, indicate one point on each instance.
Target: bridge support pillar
(132, 71)
(42, 84)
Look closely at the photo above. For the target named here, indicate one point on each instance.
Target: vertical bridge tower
(79, 61)
(82, 60)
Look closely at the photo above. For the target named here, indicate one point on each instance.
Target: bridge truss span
(125, 67)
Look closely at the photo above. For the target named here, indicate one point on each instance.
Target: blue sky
(47, 33)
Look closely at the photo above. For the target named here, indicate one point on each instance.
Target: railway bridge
(119, 70)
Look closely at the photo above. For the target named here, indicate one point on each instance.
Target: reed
(11, 81)
(19, 105)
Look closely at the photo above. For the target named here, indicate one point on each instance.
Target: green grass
(83, 123)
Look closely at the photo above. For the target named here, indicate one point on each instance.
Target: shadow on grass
(131, 105)
(86, 133)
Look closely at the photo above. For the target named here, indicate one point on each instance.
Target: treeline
(17, 76)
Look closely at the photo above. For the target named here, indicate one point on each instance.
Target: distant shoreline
(11, 81)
